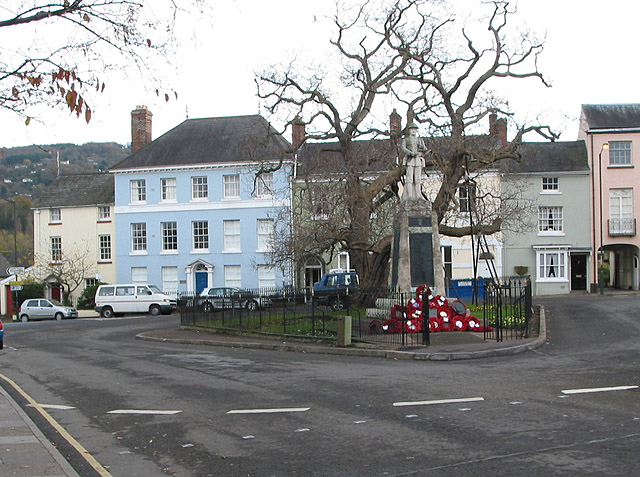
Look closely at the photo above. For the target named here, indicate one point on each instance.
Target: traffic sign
(16, 287)
(15, 270)
(16, 282)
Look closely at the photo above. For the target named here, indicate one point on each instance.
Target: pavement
(26, 452)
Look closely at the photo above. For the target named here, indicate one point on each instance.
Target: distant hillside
(28, 170)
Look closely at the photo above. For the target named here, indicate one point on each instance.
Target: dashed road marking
(598, 390)
(437, 401)
(61, 407)
(268, 411)
(143, 411)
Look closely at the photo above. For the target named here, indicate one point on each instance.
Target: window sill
(551, 234)
(55, 223)
(104, 262)
(104, 221)
(199, 251)
(199, 200)
(620, 166)
(139, 253)
(168, 252)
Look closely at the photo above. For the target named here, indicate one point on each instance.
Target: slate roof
(78, 190)
(225, 140)
(323, 157)
(612, 116)
(559, 156)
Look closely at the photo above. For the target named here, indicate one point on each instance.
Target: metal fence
(380, 317)
(508, 309)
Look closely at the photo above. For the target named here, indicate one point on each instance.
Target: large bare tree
(60, 52)
(406, 50)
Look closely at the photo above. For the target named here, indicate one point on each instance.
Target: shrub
(86, 299)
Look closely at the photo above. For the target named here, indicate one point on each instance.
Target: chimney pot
(298, 132)
(395, 124)
(498, 129)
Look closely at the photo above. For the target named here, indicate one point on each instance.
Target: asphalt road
(144, 408)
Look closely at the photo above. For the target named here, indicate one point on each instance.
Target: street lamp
(604, 147)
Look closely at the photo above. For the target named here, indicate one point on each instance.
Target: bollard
(344, 331)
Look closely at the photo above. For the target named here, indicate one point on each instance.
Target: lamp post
(601, 273)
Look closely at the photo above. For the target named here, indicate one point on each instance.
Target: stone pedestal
(415, 249)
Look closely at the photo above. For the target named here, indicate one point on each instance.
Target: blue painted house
(198, 206)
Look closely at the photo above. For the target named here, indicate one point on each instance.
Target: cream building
(74, 234)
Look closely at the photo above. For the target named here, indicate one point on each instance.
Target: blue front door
(201, 281)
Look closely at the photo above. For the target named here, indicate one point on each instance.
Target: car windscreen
(155, 289)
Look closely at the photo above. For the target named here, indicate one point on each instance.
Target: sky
(589, 57)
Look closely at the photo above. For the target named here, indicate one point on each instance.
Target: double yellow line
(69, 438)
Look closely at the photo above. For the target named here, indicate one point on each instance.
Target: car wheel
(59, 316)
(252, 305)
(154, 310)
(337, 304)
(107, 312)
(207, 307)
(24, 318)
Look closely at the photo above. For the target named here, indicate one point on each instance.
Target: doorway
(578, 272)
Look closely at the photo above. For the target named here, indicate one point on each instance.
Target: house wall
(184, 210)
(621, 251)
(79, 227)
(520, 247)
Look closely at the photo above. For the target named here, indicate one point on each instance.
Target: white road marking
(143, 411)
(54, 406)
(268, 411)
(437, 401)
(598, 390)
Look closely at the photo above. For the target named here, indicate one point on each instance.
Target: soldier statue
(413, 147)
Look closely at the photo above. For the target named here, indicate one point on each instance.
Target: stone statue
(414, 149)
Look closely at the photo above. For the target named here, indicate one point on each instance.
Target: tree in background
(63, 50)
(414, 52)
(23, 235)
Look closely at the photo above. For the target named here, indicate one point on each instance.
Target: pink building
(612, 135)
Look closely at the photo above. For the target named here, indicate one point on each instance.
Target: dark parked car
(1, 336)
(334, 288)
(42, 309)
(217, 298)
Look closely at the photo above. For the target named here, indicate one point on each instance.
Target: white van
(132, 298)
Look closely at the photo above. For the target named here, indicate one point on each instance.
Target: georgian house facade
(198, 206)
(74, 233)
(612, 136)
(553, 244)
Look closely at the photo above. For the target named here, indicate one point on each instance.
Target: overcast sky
(590, 57)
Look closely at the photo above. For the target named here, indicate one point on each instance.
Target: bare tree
(63, 50)
(69, 267)
(403, 51)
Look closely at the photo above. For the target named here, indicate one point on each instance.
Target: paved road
(250, 412)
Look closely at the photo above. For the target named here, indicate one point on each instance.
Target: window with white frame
(104, 242)
(266, 276)
(56, 249)
(550, 184)
(265, 228)
(138, 190)
(231, 232)
(104, 213)
(467, 197)
(344, 261)
(138, 274)
(169, 236)
(170, 280)
(231, 186)
(619, 153)
(199, 188)
(320, 206)
(168, 189)
(233, 276)
(552, 265)
(55, 216)
(90, 282)
(264, 184)
(621, 220)
(550, 219)
(200, 235)
(139, 237)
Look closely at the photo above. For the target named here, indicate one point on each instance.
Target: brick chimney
(498, 128)
(140, 127)
(395, 125)
(298, 132)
